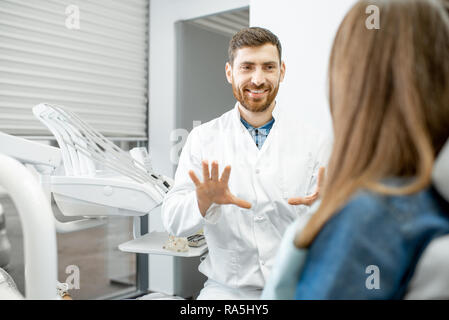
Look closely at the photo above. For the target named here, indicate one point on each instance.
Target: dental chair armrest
(29, 152)
(78, 225)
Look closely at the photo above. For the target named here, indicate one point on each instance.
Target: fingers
(241, 203)
(301, 201)
(313, 196)
(214, 171)
(206, 175)
(194, 178)
(296, 201)
(307, 201)
(226, 174)
(321, 173)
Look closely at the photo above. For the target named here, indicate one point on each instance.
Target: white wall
(306, 30)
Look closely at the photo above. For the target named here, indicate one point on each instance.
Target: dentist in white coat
(274, 179)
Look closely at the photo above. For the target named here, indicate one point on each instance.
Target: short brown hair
(252, 37)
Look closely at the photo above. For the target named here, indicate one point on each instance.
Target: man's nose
(258, 78)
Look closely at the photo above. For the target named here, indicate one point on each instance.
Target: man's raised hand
(215, 190)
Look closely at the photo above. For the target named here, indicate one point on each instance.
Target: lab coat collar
(276, 114)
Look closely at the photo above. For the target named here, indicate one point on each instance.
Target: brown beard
(242, 99)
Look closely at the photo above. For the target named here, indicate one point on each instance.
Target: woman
(389, 100)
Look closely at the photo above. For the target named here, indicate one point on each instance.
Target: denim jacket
(369, 250)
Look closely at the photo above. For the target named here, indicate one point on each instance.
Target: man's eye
(246, 67)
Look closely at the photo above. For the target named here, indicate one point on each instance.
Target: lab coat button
(257, 171)
(262, 262)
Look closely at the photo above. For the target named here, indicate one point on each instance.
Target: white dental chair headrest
(440, 175)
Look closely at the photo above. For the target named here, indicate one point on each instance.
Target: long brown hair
(389, 101)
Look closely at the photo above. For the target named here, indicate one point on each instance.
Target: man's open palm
(215, 190)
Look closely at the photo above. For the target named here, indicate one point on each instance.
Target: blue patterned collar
(265, 129)
(259, 134)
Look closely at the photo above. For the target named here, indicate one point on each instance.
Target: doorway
(203, 92)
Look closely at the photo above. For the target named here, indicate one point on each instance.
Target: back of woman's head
(389, 100)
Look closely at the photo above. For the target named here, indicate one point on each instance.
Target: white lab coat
(243, 243)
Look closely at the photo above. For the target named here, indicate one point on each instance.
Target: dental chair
(89, 178)
(5, 246)
(431, 277)
(38, 230)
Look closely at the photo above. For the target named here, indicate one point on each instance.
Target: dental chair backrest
(431, 277)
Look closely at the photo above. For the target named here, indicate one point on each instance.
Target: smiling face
(255, 75)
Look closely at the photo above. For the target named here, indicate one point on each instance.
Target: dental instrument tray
(153, 243)
(97, 177)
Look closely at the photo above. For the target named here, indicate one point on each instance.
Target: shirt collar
(262, 129)
(276, 113)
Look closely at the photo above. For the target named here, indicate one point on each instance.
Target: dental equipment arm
(88, 175)
(26, 151)
(38, 228)
(46, 160)
(99, 179)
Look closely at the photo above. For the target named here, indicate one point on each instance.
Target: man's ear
(228, 69)
(282, 71)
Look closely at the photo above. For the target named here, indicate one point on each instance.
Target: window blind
(98, 70)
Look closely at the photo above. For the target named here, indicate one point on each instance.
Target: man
(275, 165)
